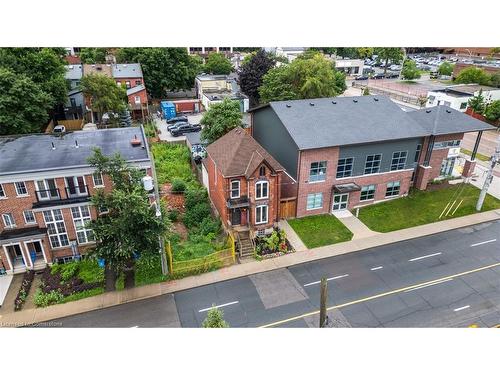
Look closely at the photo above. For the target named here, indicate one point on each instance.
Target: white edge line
(135, 327)
(429, 284)
(329, 279)
(376, 268)
(425, 256)
(482, 243)
(461, 308)
(223, 305)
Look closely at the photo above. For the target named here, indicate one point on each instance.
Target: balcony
(237, 202)
(52, 197)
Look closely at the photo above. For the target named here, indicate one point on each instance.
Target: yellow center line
(380, 295)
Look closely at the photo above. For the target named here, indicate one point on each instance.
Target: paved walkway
(292, 237)
(31, 316)
(356, 226)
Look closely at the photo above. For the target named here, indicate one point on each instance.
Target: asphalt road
(451, 279)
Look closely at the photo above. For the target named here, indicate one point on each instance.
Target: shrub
(173, 215)
(215, 319)
(178, 186)
(195, 196)
(172, 161)
(209, 225)
(45, 299)
(24, 290)
(69, 271)
(196, 214)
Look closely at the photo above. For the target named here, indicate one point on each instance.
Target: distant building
(487, 67)
(290, 53)
(205, 51)
(351, 67)
(458, 96)
(211, 89)
(75, 105)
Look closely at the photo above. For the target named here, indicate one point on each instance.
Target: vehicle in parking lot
(395, 67)
(185, 128)
(173, 120)
(378, 76)
(392, 75)
(174, 125)
(361, 78)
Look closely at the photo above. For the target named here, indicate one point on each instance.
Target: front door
(236, 216)
(340, 201)
(16, 255)
(35, 249)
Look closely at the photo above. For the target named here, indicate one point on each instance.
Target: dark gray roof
(34, 152)
(194, 138)
(74, 72)
(135, 89)
(445, 120)
(127, 70)
(351, 120)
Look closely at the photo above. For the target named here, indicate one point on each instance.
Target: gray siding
(360, 152)
(272, 135)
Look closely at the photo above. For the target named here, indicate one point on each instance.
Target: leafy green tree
(394, 54)
(304, 78)
(215, 319)
(326, 50)
(364, 52)
(476, 103)
(105, 95)
(250, 75)
(217, 63)
(492, 111)
(93, 55)
(348, 52)
(131, 227)
(495, 79)
(24, 105)
(164, 69)
(220, 119)
(422, 101)
(473, 75)
(445, 69)
(410, 70)
(366, 91)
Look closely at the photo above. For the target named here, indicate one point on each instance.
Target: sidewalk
(356, 226)
(31, 316)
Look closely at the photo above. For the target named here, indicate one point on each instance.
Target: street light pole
(495, 158)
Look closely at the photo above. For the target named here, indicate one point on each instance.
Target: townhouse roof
(466, 89)
(238, 154)
(213, 77)
(133, 70)
(135, 89)
(98, 69)
(44, 152)
(74, 72)
(441, 120)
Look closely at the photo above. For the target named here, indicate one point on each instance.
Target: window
(21, 189)
(372, 164)
(127, 84)
(317, 171)
(398, 160)
(417, 153)
(56, 229)
(29, 217)
(47, 189)
(73, 102)
(76, 186)
(463, 105)
(97, 178)
(81, 216)
(2, 192)
(137, 99)
(314, 201)
(431, 99)
(344, 168)
(262, 171)
(261, 190)
(8, 220)
(235, 188)
(392, 189)
(261, 214)
(367, 193)
(103, 210)
(138, 82)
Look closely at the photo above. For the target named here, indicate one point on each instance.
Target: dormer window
(262, 171)
(235, 189)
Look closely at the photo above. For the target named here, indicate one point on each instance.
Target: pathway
(356, 226)
(292, 237)
(8, 305)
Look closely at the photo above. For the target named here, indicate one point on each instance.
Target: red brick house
(243, 182)
(45, 189)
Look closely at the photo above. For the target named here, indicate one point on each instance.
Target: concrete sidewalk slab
(356, 226)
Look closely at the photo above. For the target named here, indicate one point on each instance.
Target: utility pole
(489, 176)
(323, 298)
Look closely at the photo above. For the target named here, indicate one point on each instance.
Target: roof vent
(376, 99)
(334, 102)
(311, 104)
(76, 143)
(135, 141)
(355, 100)
(448, 111)
(53, 146)
(289, 106)
(428, 111)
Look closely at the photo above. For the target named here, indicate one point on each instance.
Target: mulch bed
(434, 187)
(173, 201)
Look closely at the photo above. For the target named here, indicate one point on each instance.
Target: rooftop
(41, 152)
(127, 70)
(212, 77)
(467, 89)
(135, 89)
(74, 72)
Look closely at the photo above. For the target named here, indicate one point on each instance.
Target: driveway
(165, 134)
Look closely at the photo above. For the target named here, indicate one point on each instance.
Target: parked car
(361, 78)
(173, 120)
(378, 76)
(392, 75)
(395, 67)
(59, 129)
(171, 126)
(185, 128)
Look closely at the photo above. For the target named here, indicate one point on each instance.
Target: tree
(24, 105)
(105, 95)
(445, 69)
(131, 228)
(93, 55)
(364, 52)
(366, 91)
(217, 63)
(473, 75)
(325, 50)
(215, 319)
(495, 79)
(394, 54)
(410, 70)
(348, 52)
(251, 74)
(220, 119)
(164, 69)
(304, 78)
(422, 101)
(492, 111)
(476, 103)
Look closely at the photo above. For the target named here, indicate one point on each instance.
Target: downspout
(298, 183)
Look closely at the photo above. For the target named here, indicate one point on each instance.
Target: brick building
(347, 152)
(45, 189)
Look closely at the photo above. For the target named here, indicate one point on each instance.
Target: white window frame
(46, 188)
(367, 187)
(79, 223)
(343, 172)
(100, 176)
(372, 162)
(396, 162)
(258, 218)
(2, 192)
(17, 189)
(392, 185)
(11, 223)
(52, 218)
(319, 177)
(261, 183)
(233, 189)
(315, 199)
(137, 99)
(26, 220)
(78, 193)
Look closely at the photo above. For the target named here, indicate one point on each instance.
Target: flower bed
(272, 245)
(24, 290)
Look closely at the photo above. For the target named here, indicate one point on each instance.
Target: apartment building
(46, 185)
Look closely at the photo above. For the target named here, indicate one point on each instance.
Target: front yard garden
(272, 245)
(320, 230)
(424, 207)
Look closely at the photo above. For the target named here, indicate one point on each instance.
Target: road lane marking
(461, 308)
(426, 285)
(391, 292)
(216, 307)
(376, 268)
(482, 243)
(329, 279)
(425, 256)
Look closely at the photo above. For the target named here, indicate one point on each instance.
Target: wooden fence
(71, 125)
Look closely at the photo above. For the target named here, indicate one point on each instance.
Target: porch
(23, 249)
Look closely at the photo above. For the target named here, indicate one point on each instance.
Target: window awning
(346, 188)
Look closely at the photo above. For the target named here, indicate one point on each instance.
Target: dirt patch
(442, 185)
(173, 201)
(180, 229)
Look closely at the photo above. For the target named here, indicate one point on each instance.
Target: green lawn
(423, 207)
(320, 230)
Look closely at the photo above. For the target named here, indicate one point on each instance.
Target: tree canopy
(476, 103)
(473, 75)
(93, 55)
(251, 74)
(410, 70)
(217, 63)
(445, 69)
(394, 54)
(220, 119)
(303, 78)
(492, 111)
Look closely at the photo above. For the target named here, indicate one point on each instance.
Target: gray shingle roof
(74, 72)
(445, 120)
(127, 70)
(135, 89)
(34, 152)
(351, 120)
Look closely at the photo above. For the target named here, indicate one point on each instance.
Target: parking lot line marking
(482, 243)
(426, 285)
(376, 268)
(329, 279)
(389, 293)
(223, 305)
(462, 308)
(423, 257)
